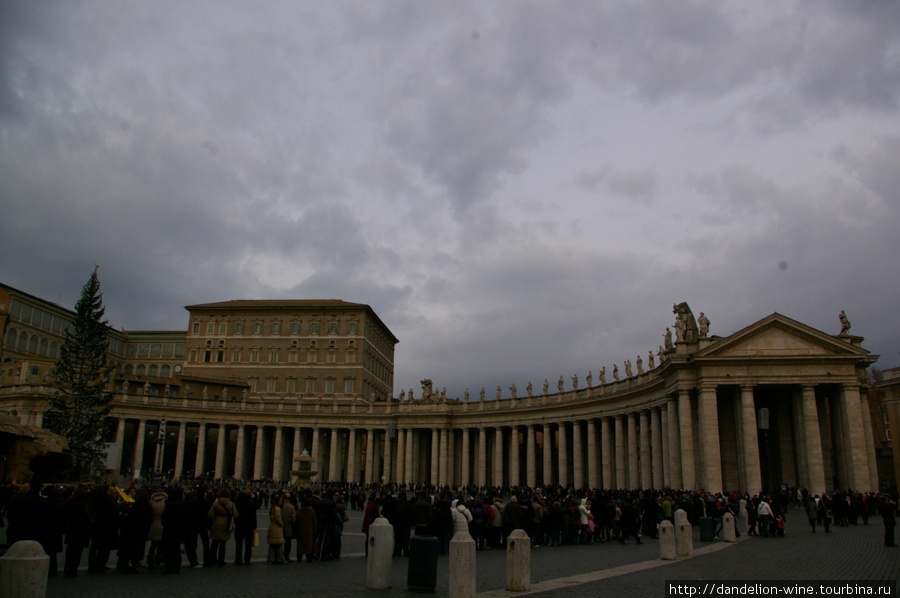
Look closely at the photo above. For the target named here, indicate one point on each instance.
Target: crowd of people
(149, 528)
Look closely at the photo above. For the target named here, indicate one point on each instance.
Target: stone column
(179, 450)
(435, 456)
(547, 435)
(531, 457)
(400, 474)
(686, 435)
(497, 478)
(577, 455)
(482, 456)
(316, 455)
(664, 449)
(137, 464)
(120, 441)
(451, 457)
(750, 442)
(656, 448)
(279, 458)
(408, 456)
(593, 471)
(869, 440)
(646, 460)
(239, 452)
(856, 453)
(334, 456)
(200, 460)
(465, 475)
(563, 456)
(514, 469)
(443, 461)
(370, 455)
(606, 454)
(352, 460)
(388, 471)
(620, 452)
(634, 466)
(220, 451)
(814, 463)
(298, 447)
(258, 453)
(711, 455)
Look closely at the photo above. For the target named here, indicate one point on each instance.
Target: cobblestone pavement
(850, 553)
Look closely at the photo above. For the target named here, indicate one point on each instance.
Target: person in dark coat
(175, 529)
(244, 527)
(403, 521)
(134, 530)
(78, 529)
(104, 528)
(888, 509)
(199, 503)
(52, 524)
(305, 527)
(25, 512)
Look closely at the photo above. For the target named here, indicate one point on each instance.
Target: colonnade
(713, 437)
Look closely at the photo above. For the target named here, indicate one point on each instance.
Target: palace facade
(251, 384)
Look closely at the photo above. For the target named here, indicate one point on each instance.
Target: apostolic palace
(250, 385)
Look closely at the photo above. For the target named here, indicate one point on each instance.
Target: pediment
(779, 336)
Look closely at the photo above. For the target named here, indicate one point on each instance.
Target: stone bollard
(23, 571)
(680, 516)
(728, 534)
(518, 561)
(667, 550)
(684, 538)
(462, 566)
(381, 551)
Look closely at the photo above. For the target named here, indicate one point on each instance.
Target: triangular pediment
(779, 336)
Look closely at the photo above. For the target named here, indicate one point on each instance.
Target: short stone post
(667, 551)
(23, 571)
(680, 516)
(518, 561)
(381, 550)
(462, 566)
(728, 534)
(684, 538)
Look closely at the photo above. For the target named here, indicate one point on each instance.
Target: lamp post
(160, 447)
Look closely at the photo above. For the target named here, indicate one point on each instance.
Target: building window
(238, 328)
(220, 356)
(254, 355)
(53, 350)
(43, 348)
(270, 385)
(23, 341)
(295, 328)
(311, 357)
(311, 386)
(329, 387)
(235, 355)
(207, 356)
(330, 357)
(351, 328)
(314, 328)
(35, 370)
(139, 371)
(196, 328)
(26, 312)
(193, 356)
(152, 370)
(273, 355)
(290, 386)
(331, 343)
(276, 328)
(252, 382)
(11, 337)
(293, 357)
(257, 327)
(348, 387)
(223, 328)
(332, 327)
(210, 328)
(351, 356)
(164, 371)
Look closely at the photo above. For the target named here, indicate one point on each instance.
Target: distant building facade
(251, 384)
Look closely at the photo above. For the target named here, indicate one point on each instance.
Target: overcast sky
(520, 190)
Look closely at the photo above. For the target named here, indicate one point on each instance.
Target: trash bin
(423, 557)
(707, 529)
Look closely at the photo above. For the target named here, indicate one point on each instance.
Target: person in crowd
(888, 510)
(104, 528)
(158, 504)
(135, 530)
(288, 517)
(223, 515)
(244, 526)
(305, 529)
(275, 532)
(198, 528)
(369, 516)
(175, 522)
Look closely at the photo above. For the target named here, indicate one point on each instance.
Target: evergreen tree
(82, 399)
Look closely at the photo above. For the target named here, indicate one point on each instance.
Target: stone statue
(466, 396)
(402, 395)
(845, 323)
(590, 379)
(668, 337)
(560, 385)
(499, 392)
(244, 394)
(224, 393)
(187, 390)
(703, 323)
(481, 394)
(444, 394)
(603, 375)
(685, 326)
(575, 382)
(640, 365)
(125, 387)
(628, 373)
(529, 389)
(205, 393)
(411, 397)
(650, 363)
(168, 390)
(546, 387)
(512, 391)
(426, 389)
(661, 354)
(680, 325)
(147, 388)
(615, 372)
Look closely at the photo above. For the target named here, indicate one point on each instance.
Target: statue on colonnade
(603, 375)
